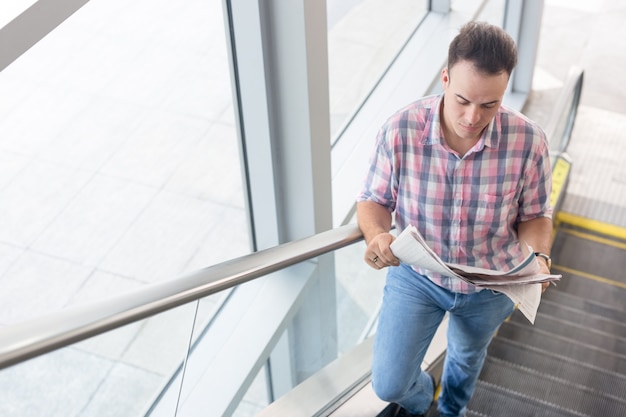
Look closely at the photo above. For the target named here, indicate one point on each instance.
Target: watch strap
(546, 257)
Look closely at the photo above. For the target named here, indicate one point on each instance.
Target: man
(474, 177)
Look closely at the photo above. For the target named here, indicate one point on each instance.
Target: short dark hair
(487, 46)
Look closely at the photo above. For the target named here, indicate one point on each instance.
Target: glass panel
(493, 11)
(117, 374)
(364, 36)
(10, 9)
(359, 294)
(118, 155)
(256, 399)
(208, 341)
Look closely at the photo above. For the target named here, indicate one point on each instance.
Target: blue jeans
(412, 309)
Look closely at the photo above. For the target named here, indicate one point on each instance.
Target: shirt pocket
(494, 212)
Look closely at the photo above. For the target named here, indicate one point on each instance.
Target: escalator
(572, 362)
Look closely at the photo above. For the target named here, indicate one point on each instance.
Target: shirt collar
(490, 136)
(433, 134)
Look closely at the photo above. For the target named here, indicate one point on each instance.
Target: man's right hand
(378, 254)
(375, 222)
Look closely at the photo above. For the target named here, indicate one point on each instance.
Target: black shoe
(401, 412)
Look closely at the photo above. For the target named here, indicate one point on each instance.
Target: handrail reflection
(33, 338)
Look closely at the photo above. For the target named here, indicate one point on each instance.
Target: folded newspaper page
(522, 284)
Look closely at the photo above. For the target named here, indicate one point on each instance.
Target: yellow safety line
(560, 172)
(437, 392)
(590, 276)
(595, 238)
(592, 225)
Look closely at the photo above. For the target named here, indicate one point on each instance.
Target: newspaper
(522, 284)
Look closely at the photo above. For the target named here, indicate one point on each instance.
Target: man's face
(471, 100)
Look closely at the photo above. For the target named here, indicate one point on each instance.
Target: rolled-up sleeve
(537, 185)
(380, 185)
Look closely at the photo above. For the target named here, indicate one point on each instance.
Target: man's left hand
(543, 269)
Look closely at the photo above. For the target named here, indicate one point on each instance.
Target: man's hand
(375, 223)
(378, 254)
(543, 269)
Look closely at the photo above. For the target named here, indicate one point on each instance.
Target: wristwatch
(546, 257)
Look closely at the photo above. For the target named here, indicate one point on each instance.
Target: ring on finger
(375, 259)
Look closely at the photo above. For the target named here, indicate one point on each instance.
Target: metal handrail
(39, 336)
(561, 122)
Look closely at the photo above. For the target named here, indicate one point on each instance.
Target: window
(364, 37)
(118, 155)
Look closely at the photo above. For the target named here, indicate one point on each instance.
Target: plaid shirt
(467, 208)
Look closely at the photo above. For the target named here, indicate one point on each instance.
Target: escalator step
(559, 366)
(573, 315)
(568, 347)
(490, 400)
(586, 305)
(611, 296)
(579, 332)
(572, 361)
(589, 256)
(573, 395)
